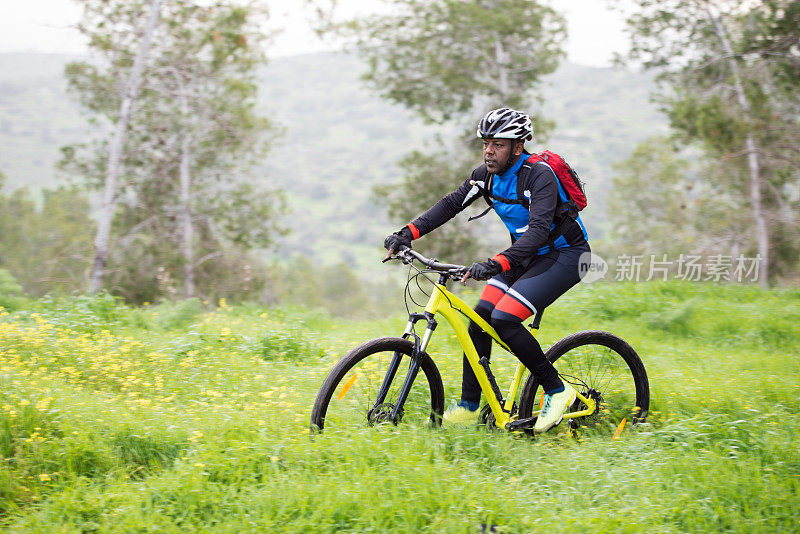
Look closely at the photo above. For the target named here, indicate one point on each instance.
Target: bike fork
(413, 368)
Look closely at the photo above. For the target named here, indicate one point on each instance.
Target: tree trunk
(502, 74)
(186, 210)
(762, 235)
(115, 154)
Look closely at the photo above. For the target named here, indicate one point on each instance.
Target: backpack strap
(562, 219)
(486, 178)
(484, 212)
(523, 196)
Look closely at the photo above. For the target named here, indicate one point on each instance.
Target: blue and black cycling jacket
(534, 231)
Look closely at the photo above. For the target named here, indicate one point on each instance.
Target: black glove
(485, 269)
(398, 239)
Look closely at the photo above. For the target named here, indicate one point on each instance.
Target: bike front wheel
(362, 389)
(604, 367)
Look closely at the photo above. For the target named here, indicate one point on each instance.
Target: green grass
(185, 418)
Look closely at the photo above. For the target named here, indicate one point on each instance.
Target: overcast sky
(595, 32)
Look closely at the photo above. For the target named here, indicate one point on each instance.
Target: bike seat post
(536, 320)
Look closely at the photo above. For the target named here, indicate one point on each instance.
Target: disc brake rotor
(382, 413)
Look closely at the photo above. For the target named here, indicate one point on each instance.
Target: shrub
(10, 291)
(291, 345)
(83, 313)
(177, 315)
(676, 319)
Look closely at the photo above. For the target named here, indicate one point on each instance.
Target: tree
(450, 61)
(186, 198)
(115, 149)
(444, 58)
(774, 34)
(208, 63)
(722, 92)
(335, 288)
(47, 248)
(675, 211)
(428, 177)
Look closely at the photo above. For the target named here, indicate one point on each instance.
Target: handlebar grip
(407, 254)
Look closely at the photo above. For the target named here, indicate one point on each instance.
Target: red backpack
(566, 175)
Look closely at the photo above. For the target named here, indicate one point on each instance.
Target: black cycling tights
(510, 298)
(522, 344)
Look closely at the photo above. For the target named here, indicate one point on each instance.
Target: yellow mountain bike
(379, 381)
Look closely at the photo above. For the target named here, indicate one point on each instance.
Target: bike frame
(452, 308)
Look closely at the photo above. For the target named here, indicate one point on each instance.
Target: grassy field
(191, 418)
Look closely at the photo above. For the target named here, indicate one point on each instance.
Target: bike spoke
(367, 393)
(605, 369)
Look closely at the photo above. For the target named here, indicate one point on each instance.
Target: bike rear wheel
(348, 399)
(602, 366)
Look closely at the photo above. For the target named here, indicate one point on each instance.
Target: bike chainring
(486, 417)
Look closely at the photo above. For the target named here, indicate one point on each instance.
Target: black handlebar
(407, 255)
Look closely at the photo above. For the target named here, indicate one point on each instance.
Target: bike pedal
(521, 424)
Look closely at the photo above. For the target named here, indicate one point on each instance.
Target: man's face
(496, 153)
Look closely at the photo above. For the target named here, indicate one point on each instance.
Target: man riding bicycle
(541, 264)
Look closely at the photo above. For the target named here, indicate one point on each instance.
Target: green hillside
(37, 117)
(338, 139)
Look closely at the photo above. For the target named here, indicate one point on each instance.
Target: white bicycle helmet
(505, 123)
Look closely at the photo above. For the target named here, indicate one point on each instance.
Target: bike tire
(349, 391)
(608, 365)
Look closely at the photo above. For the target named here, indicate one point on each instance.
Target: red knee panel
(514, 307)
(492, 294)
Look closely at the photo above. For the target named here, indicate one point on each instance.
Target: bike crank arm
(591, 407)
(528, 422)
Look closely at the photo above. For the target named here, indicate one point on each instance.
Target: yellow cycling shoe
(553, 408)
(459, 415)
